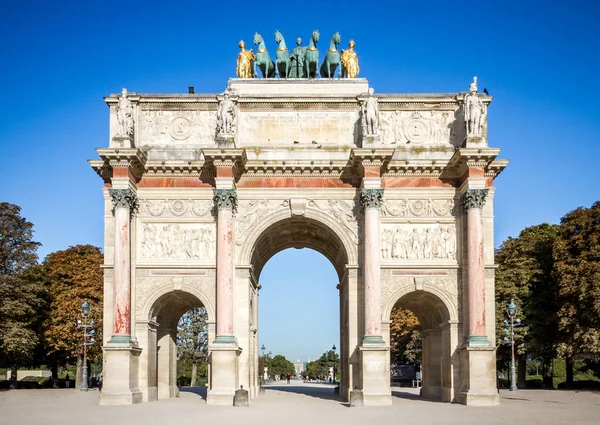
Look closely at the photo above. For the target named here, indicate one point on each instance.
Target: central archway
(323, 234)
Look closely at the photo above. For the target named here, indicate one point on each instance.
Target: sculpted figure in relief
(419, 244)
(245, 62)
(474, 111)
(172, 241)
(226, 116)
(370, 113)
(124, 115)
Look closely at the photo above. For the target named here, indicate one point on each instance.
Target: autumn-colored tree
(73, 275)
(577, 273)
(192, 339)
(22, 291)
(405, 337)
(524, 274)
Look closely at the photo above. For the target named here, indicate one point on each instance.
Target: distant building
(299, 366)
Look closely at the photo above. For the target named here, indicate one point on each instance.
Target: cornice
(132, 158)
(485, 158)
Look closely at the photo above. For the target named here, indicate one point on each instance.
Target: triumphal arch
(396, 190)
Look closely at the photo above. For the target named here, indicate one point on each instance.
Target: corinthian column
(226, 202)
(371, 200)
(124, 200)
(473, 201)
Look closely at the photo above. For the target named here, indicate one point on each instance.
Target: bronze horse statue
(311, 61)
(263, 60)
(332, 58)
(282, 57)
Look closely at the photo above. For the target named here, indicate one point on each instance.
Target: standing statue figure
(245, 62)
(263, 60)
(332, 58)
(474, 111)
(297, 59)
(226, 116)
(311, 61)
(282, 57)
(124, 116)
(370, 114)
(349, 59)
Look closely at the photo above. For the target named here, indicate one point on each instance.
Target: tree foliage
(192, 339)
(577, 273)
(405, 337)
(281, 366)
(22, 289)
(73, 275)
(524, 274)
(319, 369)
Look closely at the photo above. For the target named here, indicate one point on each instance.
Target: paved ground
(297, 403)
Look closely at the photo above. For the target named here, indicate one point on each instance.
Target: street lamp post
(85, 314)
(511, 311)
(333, 349)
(262, 375)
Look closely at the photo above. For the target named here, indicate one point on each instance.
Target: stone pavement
(297, 403)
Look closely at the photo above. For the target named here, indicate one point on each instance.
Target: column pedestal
(224, 373)
(375, 377)
(120, 383)
(478, 377)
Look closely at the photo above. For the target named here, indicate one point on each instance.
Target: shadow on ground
(199, 391)
(322, 391)
(411, 394)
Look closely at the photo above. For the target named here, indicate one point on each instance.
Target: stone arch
(437, 296)
(166, 291)
(311, 219)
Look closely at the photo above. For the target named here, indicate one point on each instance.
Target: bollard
(241, 397)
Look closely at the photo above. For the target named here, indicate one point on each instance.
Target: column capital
(225, 199)
(371, 198)
(123, 198)
(474, 198)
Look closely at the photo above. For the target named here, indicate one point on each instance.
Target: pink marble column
(371, 200)
(123, 200)
(473, 201)
(226, 202)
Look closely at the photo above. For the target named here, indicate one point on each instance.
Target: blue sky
(539, 59)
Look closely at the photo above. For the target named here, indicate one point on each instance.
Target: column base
(224, 372)
(478, 377)
(375, 375)
(373, 340)
(478, 340)
(120, 384)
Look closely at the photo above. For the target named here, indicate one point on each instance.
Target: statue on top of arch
(474, 112)
(302, 62)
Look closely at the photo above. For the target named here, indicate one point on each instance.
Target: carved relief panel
(418, 242)
(421, 128)
(176, 242)
(417, 208)
(160, 128)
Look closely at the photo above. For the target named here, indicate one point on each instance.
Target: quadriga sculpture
(332, 58)
(311, 61)
(282, 57)
(263, 60)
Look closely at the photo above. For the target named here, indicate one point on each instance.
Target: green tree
(192, 339)
(319, 369)
(525, 274)
(281, 366)
(577, 273)
(405, 337)
(73, 275)
(22, 291)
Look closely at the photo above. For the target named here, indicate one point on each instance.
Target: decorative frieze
(225, 199)
(162, 128)
(417, 208)
(371, 198)
(177, 242)
(123, 198)
(421, 128)
(474, 198)
(419, 242)
(175, 207)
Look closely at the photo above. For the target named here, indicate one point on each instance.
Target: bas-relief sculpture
(417, 208)
(474, 112)
(419, 242)
(175, 208)
(160, 128)
(417, 127)
(181, 241)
